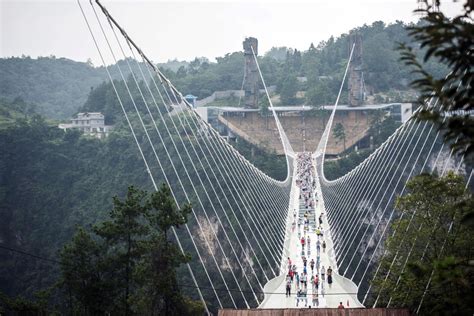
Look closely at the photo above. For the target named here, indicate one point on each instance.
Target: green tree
(320, 94)
(160, 292)
(449, 42)
(277, 53)
(125, 235)
(340, 133)
(288, 89)
(85, 277)
(435, 244)
(128, 265)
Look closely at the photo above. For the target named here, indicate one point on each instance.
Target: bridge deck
(316, 312)
(329, 296)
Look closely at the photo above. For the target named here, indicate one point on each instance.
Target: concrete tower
(251, 73)
(356, 75)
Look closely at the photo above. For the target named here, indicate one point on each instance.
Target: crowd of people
(309, 281)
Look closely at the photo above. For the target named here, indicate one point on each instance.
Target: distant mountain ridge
(57, 86)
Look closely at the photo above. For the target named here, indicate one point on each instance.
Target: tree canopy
(430, 242)
(448, 42)
(128, 264)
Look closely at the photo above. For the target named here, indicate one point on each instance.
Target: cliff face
(303, 131)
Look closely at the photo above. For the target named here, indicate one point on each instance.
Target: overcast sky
(186, 29)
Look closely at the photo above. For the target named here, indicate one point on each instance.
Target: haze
(186, 29)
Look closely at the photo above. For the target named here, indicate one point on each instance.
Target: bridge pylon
(356, 83)
(251, 73)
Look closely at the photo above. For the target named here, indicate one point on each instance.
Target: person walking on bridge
(318, 232)
(299, 296)
(311, 264)
(323, 291)
(305, 280)
(329, 273)
(315, 300)
(315, 283)
(288, 285)
(318, 263)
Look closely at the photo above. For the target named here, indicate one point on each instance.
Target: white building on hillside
(90, 123)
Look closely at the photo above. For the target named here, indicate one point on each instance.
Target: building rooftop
(90, 114)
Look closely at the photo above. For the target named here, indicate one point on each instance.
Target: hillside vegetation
(58, 86)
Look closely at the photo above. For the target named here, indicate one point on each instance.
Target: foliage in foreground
(127, 264)
(448, 42)
(429, 266)
(430, 243)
